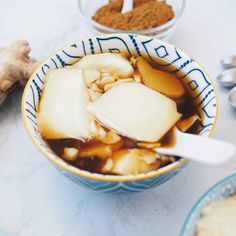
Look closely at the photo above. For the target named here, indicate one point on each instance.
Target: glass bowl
(87, 9)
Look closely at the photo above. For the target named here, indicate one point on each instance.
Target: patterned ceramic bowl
(166, 56)
(221, 190)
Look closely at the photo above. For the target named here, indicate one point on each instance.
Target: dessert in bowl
(214, 213)
(98, 110)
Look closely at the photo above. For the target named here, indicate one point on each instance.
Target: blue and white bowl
(221, 190)
(161, 53)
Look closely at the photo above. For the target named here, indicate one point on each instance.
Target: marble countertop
(36, 200)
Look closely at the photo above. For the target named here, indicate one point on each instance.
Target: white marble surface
(36, 200)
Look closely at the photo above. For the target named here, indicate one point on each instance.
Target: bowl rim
(101, 177)
(200, 203)
(101, 27)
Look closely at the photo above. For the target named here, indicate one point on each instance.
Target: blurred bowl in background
(223, 189)
(88, 8)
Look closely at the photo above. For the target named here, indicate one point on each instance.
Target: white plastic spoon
(127, 6)
(199, 148)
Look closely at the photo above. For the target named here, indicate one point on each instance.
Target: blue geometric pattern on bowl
(221, 190)
(163, 55)
(122, 187)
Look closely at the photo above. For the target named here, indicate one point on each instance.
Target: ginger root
(15, 66)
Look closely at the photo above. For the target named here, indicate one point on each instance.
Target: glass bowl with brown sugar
(155, 18)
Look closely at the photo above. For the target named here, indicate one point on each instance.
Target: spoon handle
(199, 148)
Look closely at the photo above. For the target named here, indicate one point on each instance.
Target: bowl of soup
(100, 108)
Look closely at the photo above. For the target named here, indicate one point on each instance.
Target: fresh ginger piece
(134, 161)
(160, 81)
(15, 66)
(100, 150)
(186, 124)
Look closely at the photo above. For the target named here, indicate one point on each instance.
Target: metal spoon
(127, 6)
(232, 97)
(227, 78)
(228, 62)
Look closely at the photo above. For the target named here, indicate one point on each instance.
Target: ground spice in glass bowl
(156, 18)
(146, 14)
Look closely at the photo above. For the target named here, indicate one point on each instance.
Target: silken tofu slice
(62, 109)
(112, 63)
(135, 111)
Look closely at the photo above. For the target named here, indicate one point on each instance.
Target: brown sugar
(146, 14)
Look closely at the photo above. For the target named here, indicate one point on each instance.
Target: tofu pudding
(108, 113)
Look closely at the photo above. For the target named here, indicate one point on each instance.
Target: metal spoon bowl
(227, 78)
(228, 62)
(232, 97)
